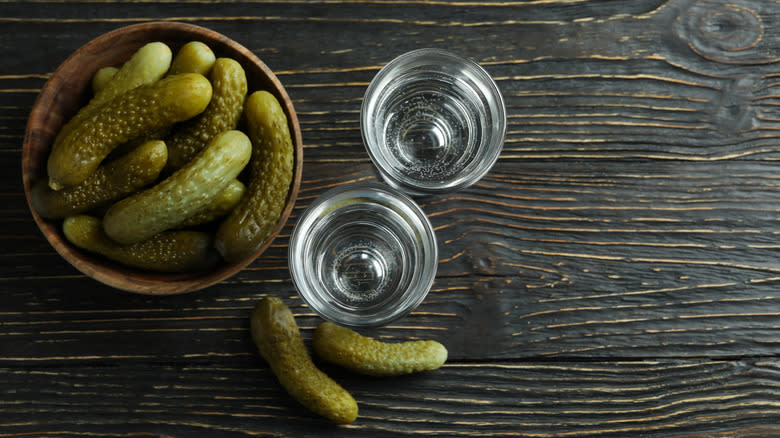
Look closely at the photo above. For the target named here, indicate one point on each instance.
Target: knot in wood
(721, 31)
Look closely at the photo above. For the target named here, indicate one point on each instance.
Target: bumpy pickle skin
(102, 77)
(271, 171)
(110, 182)
(181, 195)
(279, 341)
(219, 208)
(170, 251)
(138, 111)
(193, 57)
(229, 83)
(351, 350)
(147, 65)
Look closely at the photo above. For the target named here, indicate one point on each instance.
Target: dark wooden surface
(616, 274)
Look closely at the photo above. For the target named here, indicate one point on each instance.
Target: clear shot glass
(363, 254)
(432, 122)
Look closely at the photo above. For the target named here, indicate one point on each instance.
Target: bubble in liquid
(363, 261)
(430, 129)
(359, 272)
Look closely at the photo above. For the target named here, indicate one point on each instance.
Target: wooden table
(615, 274)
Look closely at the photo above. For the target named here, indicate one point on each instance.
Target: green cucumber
(181, 195)
(271, 170)
(110, 182)
(169, 251)
(130, 115)
(228, 80)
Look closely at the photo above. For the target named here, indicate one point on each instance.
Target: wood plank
(240, 397)
(602, 92)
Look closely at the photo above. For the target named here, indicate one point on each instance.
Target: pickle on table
(349, 349)
(129, 115)
(193, 57)
(169, 251)
(229, 83)
(271, 170)
(219, 208)
(147, 65)
(110, 182)
(181, 195)
(279, 341)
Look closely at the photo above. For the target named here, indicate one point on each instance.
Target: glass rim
(488, 86)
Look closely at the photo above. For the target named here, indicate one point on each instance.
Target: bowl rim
(131, 279)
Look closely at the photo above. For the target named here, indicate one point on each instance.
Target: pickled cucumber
(147, 65)
(110, 182)
(228, 80)
(359, 353)
(219, 208)
(193, 57)
(187, 191)
(170, 251)
(125, 148)
(138, 111)
(101, 78)
(279, 341)
(271, 169)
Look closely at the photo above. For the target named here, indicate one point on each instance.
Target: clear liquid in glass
(364, 257)
(431, 126)
(432, 122)
(363, 254)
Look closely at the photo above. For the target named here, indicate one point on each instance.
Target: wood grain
(240, 398)
(554, 266)
(615, 274)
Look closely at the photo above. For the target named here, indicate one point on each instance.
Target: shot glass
(363, 254)
(432, 122)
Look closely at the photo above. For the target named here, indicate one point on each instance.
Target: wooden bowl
(69, 88)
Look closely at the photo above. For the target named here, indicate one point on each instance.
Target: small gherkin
(110, 182)
(219, 208)
(193, 57)
(349, 349)
(176, 198)
(229, 84)
(169, 251)
(270, 175)
(279, 341)
(147, 65)
(131, 114)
